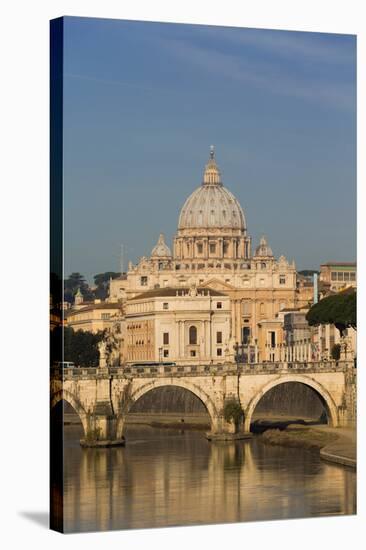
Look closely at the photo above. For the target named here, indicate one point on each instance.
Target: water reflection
(166, 477)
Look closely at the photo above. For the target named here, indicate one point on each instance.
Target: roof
(172, 291)
(339, 264)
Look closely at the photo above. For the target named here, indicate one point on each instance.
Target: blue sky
(144, 101)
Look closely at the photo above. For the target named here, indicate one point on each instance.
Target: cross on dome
(212, 174)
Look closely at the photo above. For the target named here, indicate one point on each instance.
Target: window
(166, 338)
(106, 316)
(193, 335)
(212, 248)
(282, 280)
(245, 335)
(166, 353)
(193, 353)
(352, 276)
(346, 276)
(340, 276)
(219, 305)
(219, 352)
(165, 305)
(225, 247)
(263, 265)
(272, 338)
(333, 276)
(143, 281)
(200, 248)
(218, 337)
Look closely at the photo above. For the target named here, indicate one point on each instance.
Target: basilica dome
(212, 206)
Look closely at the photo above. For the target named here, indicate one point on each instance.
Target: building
(180, 325)
(338, 275)
(212, 249)
(94, 317)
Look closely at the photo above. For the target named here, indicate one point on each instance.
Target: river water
(165, 477)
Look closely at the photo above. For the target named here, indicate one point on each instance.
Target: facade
(212, 253)
(338, 275)
(180, 325)
(212, 249)
(93, 317)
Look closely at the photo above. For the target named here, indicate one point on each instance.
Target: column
(178, 339)
(233, 320)
(238, 320)
(208, 339)
(182, 330)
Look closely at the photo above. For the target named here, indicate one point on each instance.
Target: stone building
(178, 325)
(338, 276)
(212, 249)
(93, 317)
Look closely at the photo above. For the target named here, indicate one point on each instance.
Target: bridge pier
(227, 431)
(102, 428)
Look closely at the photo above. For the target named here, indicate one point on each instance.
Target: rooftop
(176, 291)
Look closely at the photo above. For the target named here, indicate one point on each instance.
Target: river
(165, 477)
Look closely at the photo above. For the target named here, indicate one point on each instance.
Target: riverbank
(336, 445)
(180, 421)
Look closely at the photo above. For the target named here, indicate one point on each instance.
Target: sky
(144, 101)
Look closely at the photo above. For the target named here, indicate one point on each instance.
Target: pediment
(217, 284)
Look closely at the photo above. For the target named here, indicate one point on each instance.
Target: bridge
(103, 397)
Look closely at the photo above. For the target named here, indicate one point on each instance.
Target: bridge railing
(161, 370)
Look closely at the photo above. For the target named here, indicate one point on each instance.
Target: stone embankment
(336, 445)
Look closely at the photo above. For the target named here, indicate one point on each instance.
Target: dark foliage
(102, 281)
(336, 352)
(73, 283)
(80, 347)
(233, 411)
(338, 309)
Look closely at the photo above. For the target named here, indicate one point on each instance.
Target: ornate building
(213, 250)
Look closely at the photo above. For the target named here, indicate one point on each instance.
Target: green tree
(80, 347)
(73, 283)
(338, 309)
(101, 280)
(336, 352)
(233, 412)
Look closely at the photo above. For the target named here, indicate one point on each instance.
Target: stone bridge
(103, 397)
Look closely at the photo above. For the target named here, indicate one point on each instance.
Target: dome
(161, 249)
(263, 249)
(212, 205)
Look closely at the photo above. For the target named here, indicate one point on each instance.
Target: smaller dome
(263, 250)
(161, 249)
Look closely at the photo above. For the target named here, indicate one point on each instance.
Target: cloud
(276, 78)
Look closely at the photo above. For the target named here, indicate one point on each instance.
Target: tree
(233, 412)
(73, 283)
(338, 309)
(80, 347)
(102, 281)
(308, 272)
(336, 352)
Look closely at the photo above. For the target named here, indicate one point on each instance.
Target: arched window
(192, 335)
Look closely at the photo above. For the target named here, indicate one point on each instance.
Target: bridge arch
(158, 383)
(74, 402)
(325, 396)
